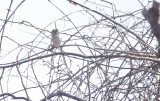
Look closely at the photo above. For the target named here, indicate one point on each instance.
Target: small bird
(56, 39)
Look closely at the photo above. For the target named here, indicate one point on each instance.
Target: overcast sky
(41, 14)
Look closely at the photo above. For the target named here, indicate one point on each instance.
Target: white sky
(40, 13)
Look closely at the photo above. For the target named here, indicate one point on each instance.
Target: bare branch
(60, 94)
(14, 97)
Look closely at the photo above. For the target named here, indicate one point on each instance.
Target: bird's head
(54, 31)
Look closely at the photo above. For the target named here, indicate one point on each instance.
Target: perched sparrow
(56, 39)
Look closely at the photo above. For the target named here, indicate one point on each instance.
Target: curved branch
(8, 65)
(120, 25)
(14, 97)
(60, 93)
